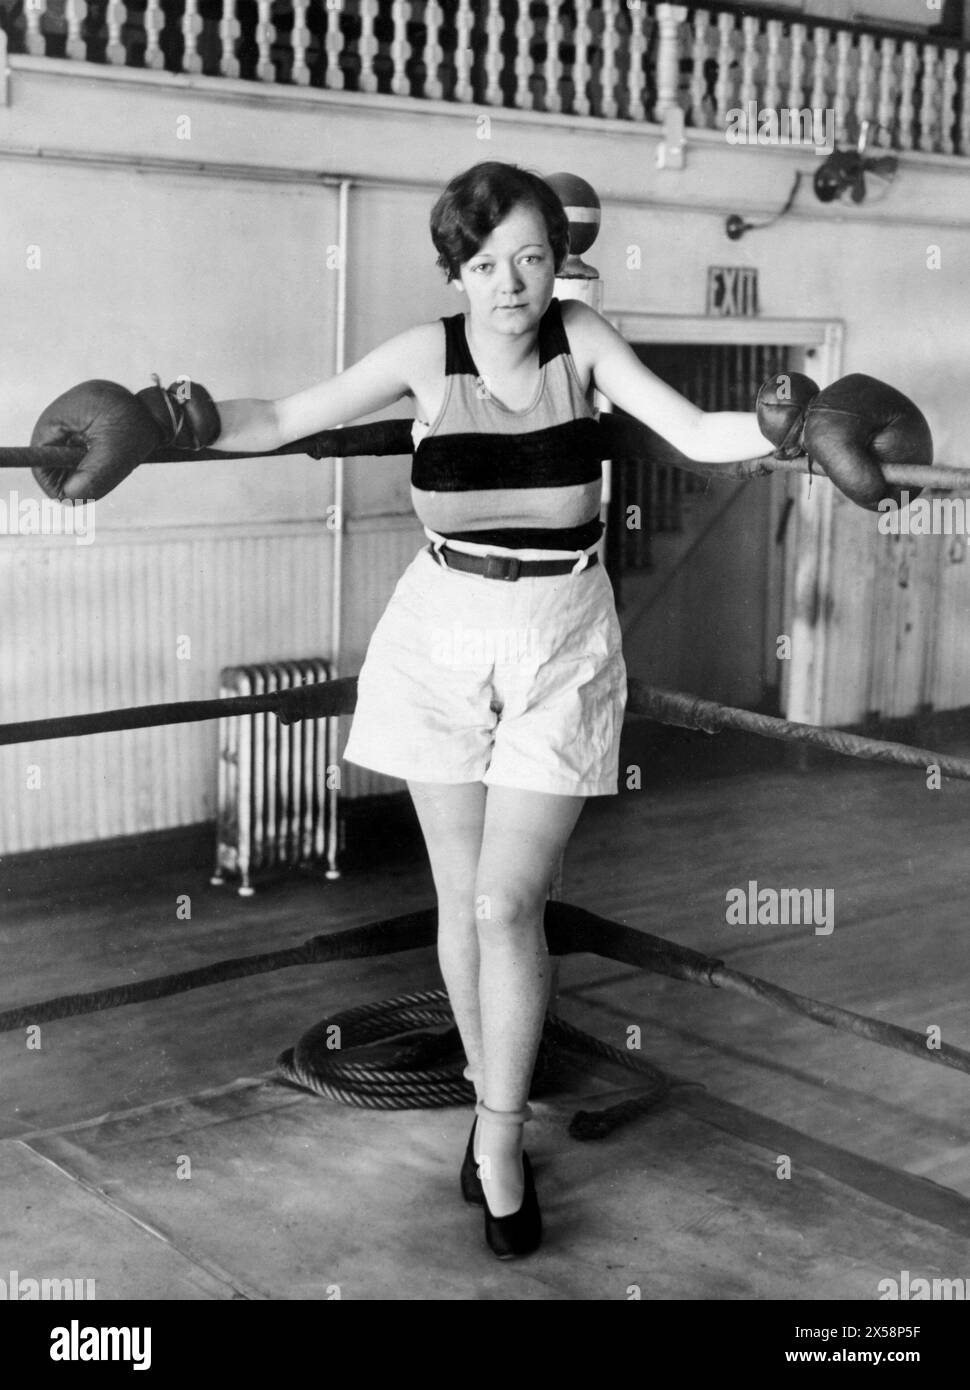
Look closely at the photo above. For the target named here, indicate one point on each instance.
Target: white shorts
(515, 684)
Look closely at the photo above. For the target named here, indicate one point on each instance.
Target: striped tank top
(516, 479)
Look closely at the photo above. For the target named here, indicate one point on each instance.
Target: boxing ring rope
(392, 437)
(326, 699)
(331, 698)
(419, 1075)
(569, 929)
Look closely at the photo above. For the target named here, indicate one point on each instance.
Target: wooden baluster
(749, 60)
(433, 52)
(552, 71)
(843, 72)
(523, 58)
(820, 68)
(964, 140)
(493, 55)
(796, 67)
(726, 85)
(265, 34)
(464, 21)
(300, 41)
(154, 24)
(116, 17)
(228, 35)
(334, 47)
(368, 48)
(635, 83)
(886, 110)
(34, 40)
(608, 72)
(771, 97)
(595, 58)
(44, 21)
(928, 113)
(700, 112)
(581, 72)
(669, 20)
(864, 103)
(948, 108)
(191, 28)
(908, 85)
(400, 48)
(75, 12)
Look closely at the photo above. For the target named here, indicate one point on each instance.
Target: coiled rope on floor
(418, 1076)
(426, 1071)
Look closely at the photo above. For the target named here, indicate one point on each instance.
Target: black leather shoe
(471, 1183)
(510, 1237)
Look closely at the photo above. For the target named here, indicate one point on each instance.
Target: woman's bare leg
(524, 835)
(452, 819)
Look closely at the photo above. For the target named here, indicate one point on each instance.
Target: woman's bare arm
(376, 381)
(719, 436)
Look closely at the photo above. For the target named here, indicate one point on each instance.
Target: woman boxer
(494, 683)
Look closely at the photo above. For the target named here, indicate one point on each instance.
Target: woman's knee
(456, 904)
(508, 907)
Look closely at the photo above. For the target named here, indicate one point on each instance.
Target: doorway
(702, 567)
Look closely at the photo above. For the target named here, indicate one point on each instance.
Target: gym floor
(149, 1149)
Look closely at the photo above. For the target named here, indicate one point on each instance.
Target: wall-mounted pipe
(336, 600)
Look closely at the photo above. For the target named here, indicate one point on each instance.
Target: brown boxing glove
(781, 405)
(185, 413)
(855, 426)
(119, 430)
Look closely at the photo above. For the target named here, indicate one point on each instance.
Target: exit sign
(732, 291)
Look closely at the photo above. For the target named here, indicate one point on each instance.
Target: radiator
(276, 805)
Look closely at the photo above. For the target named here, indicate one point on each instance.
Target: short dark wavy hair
(475, 202)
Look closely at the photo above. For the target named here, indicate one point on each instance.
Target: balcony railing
(617, 59)
(913, 89)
